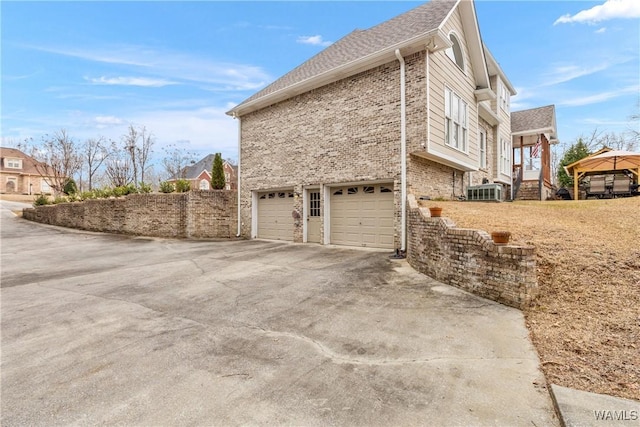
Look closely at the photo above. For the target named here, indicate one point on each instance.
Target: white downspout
(428, 60)
(403, 151)
(238, 185)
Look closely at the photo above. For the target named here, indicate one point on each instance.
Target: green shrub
(70, 187)
(130, 189)
(167, 187)
(144, 188)
(87, 195)
(41, 200)
(119, 191)
(182, 186)
(60, 199)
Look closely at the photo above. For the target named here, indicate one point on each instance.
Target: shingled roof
(539, 119)
(30, 166)
(361, 44)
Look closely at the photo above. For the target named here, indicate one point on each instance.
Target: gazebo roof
(605, 160)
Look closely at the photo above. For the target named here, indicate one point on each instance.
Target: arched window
(204, 184)
(455, 51)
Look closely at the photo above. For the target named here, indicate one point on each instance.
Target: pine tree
(577, 151)
(217, 173)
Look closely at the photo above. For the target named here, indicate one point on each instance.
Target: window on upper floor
(455, 51)
(483, 148)
(504, 98)
(505, 156)
(455, 132)
(13, 163)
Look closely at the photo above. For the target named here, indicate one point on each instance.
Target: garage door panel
(274, 215)
(363, 216)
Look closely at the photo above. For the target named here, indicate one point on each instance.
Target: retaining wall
(468, 259)
(195, 214)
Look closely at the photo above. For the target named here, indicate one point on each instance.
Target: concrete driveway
(104, 329)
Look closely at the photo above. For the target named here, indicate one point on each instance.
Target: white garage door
(362, 215)
(274, 215)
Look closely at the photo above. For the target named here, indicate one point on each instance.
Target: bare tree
(95, 153)
(176, 160)
(119, 167)
(137, 143)
(57, 157)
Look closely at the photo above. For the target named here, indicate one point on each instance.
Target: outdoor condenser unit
(485, 192)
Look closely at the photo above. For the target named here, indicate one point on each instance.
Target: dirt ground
(586, 321)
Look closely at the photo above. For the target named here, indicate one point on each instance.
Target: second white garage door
(274, 215)
(362, 215)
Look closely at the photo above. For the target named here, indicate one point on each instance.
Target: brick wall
(346, 131)
(468, 259)
(196, 214)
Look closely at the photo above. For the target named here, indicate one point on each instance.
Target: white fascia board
(476, 50)
(533, 132)
(368, 62)
(493, 63)
(485, 94)
(486, 113)
(446, 160)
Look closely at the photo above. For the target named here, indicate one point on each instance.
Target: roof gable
(534, 120)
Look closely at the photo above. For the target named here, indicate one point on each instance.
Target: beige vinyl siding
(445, 73)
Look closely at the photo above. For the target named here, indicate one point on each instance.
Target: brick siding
(468, 259)
(196, 214)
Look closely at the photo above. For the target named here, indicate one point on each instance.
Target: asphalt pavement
(118, 330)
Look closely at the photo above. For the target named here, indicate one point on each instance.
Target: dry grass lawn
(586, 321)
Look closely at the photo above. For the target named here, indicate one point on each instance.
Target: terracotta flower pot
(436, 211)
(500, 237)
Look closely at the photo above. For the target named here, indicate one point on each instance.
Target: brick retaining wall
(195, 214)
(468, 259)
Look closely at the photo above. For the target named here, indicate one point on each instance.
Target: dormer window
(455, 51)
(13, 163)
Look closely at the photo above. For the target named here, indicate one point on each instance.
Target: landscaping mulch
(585, 323)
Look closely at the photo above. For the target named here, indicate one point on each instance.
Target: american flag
(535, 151)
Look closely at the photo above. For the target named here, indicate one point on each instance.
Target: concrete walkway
(580, 408)
(104, 329)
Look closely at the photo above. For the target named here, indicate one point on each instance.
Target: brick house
(22, 174)
(199, 174)
(329, 152)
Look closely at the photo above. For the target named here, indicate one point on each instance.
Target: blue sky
(93, 68)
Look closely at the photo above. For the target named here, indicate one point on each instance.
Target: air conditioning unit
(485, 192)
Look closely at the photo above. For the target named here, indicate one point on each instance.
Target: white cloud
(313, 40)
(565, 73)
(611, 9)
(599, 97)
(601, 30)
(170, 66)
(106, 121)
(131, 81)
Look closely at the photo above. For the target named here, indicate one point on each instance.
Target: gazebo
(606, 161)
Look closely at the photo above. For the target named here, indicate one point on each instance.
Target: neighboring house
(21, 173)
(199, 174)
(417, 104)
(533, 132)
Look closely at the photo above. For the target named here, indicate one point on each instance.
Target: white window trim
(450, 95)
(450, 52)
(505, 157)
(482, 148)
(9, 163)
(505, 102)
